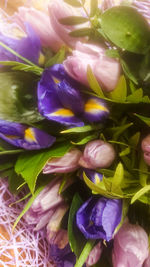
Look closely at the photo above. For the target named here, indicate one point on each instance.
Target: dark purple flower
(28, 47)
(98, 218)
(24, 137)
(60, 100)
(62, 257)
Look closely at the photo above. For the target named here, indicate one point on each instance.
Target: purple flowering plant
(74, 126)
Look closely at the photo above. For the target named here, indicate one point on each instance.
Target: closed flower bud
(45, 205)
(147, 261)
(94, 255)
(40, 23)
(58, 10)
(67, 163)
(130, 246)
(146, 149)
(105, 69)
(97, 154)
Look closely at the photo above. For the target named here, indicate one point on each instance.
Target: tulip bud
(130, 246)
(97, 154)
(44, 205)
(105, 69)
(65, 164)
(58, 10)
(146, 149)
(94, 255)
(147, 261)
(41, 25)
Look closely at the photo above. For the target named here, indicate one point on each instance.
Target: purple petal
(28, 47)
(112, 210)
(24, 137)
(95, 110)
(49, 103)
(69, 97)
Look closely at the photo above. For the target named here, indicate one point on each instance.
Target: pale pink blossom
(146, 149)
(94, 255)
(67, 163)
(106, 69)
(97, 154)
(130, 246)
(58, 10)
(40, 23)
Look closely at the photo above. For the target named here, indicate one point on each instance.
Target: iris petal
(21, 136)
(28, 47)
(95, 110)
(49, 102)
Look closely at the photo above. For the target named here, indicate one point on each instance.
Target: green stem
(85, 253)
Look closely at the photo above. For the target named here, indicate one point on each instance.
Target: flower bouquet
(74, 132)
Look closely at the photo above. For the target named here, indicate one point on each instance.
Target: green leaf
(143, 175)
(14, 181)
(85, 140)
(76, 239)
(120, 129)
(57, 58)
(125, 152)
(22, 67)
(136, 96)
(8, 152)
(74, 3)
(129, 72)
(18, 97)
(140, 193)
(28, 205)
(94, 85)
(85, 253)
(134, 140)
(120, 92)
(100, 188)
(80, 32)
(82, 129)
(118, 176)
(93, 7)
(29, 165)
(73, 20)
(146, 120)
(126, 28)
(112, 53)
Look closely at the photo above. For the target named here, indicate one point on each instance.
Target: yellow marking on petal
(97, 180)
(63, 112)
(93, 105)
(56, 80)
(29, 135)
(41, 59)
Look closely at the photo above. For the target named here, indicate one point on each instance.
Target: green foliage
(57, 58)
(22, 67)
(17, 97)
(93, 7)
(83, 129)
(85, 253)
(126, 28)
(81, 32)
(76, 239)
(73, 20)
(73, 3)
(94, 85)
(29, 165)
(120, 92)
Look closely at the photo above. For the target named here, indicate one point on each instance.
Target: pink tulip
(146, 149)
(97, 154)
(130, 246)
(147, 261)
(105, 69)
(41, 25)
(94, 255)
(45, 205)
(58, 10)
(67, 163)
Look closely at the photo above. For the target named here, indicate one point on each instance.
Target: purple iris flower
(25, 137)
(98, 218)
(28, 47)
(60, 100)
(62, 257)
